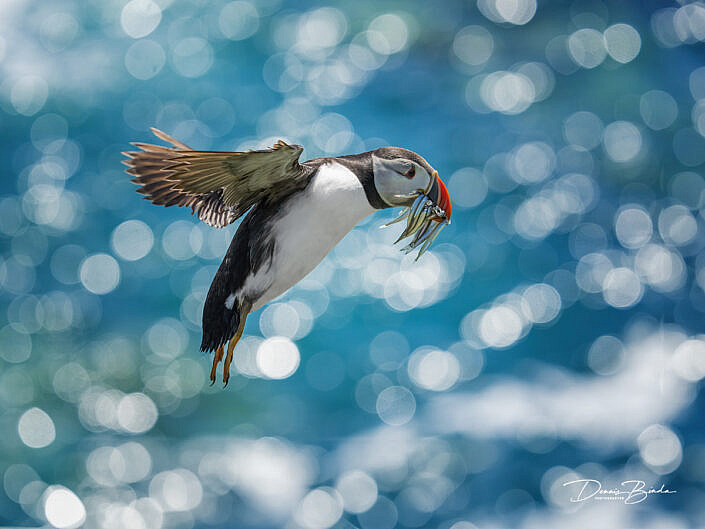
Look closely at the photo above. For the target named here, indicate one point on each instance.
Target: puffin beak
(440, 197)
(426, 217)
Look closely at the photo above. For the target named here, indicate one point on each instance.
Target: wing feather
(218, 186)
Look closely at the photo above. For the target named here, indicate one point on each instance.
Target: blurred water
(552, 333)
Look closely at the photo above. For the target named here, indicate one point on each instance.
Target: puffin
(295, 213)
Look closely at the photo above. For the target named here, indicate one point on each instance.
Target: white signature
(592, 488)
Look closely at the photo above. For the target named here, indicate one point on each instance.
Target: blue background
(551, 334)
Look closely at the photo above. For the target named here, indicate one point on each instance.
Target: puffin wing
(218, 186)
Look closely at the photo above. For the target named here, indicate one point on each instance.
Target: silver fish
(416, 222)
(416, 210)
(411, 228)
(413, 211)
(424, 230)
(430, 238)
(424, 221)
(421, 199)
(404, 214)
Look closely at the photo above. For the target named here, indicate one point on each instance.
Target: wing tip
(165, 137)
(281, 144)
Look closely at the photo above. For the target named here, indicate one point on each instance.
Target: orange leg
(217, 357)
(229, 356)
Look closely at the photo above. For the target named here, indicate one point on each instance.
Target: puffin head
(403, 178)
(401, 175)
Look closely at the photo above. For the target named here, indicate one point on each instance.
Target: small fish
(404, 214)
(424, 221)
(423, 231)
(431, 237)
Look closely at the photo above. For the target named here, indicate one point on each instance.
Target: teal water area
(552, 333)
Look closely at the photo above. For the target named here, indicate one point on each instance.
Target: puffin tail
(221, 318)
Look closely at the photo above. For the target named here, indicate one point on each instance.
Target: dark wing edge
(218, 186)
(149, 166)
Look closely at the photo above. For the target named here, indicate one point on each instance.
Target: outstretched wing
(218, 186)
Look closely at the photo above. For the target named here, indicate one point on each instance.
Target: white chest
(308, 228)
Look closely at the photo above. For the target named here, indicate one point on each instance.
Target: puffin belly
(311, 223)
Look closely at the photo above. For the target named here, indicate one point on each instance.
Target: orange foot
(217, 357)
(229, 356)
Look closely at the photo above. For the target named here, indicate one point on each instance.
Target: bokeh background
(552, 333)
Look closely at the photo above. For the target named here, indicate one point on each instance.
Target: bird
(294, 214)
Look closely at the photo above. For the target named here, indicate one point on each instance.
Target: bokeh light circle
(140, 17)
(238, 20)
(320, 509)
(622, 141)
(396, 405)
(473, 45)
(36, 428)
(100, 273)
(358, 490)
(63, 509)
(633, 227)
(278, 357)
(660, 449)
(132, 240)
(433, 369)
(192, 57)
(622, 288)
(145, 59)
(587, 47)
(622, 42)
(658, 109)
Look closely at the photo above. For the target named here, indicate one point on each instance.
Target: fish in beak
(426, 217)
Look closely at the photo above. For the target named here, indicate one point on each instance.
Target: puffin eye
(411, 172)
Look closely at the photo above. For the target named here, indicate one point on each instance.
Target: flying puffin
(298, 211)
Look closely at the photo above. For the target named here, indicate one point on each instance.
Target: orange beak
(444, 198)
(439, 195)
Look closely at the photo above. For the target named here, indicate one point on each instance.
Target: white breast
(312, 223)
